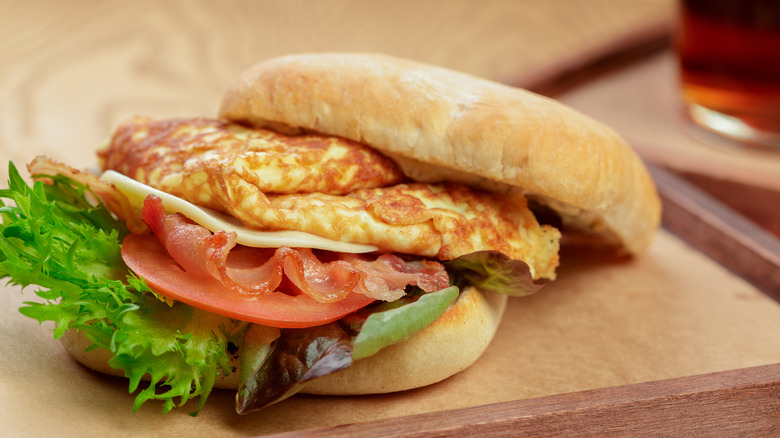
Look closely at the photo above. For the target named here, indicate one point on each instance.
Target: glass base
(733, 128)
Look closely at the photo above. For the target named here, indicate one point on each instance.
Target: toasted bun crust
(440, 124)
(449, 345)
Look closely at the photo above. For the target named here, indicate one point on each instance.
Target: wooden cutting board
(72, 70)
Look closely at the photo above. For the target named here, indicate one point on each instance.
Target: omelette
(326, 186)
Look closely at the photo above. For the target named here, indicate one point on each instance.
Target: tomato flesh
(144, 255)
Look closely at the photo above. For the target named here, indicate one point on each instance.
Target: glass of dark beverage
(729, 54)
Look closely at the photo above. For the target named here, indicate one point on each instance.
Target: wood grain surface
(72, 70)
(728, 403)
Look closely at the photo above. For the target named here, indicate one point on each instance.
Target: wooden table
(682, 340)
(71, 71)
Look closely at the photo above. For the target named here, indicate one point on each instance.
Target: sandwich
(347, 224)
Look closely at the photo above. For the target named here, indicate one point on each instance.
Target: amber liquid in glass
(729, 52)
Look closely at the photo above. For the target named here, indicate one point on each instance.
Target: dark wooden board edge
(761, 207)
(742, 402)
(716, 230)
(729, 403)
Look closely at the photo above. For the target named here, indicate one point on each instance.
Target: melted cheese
(136, 192)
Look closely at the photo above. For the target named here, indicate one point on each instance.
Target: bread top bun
(452, 343)
(440, 124)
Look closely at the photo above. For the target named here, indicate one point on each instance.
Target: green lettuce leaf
(382, 328)
(256, 346)
(53, 238)
(492, 271)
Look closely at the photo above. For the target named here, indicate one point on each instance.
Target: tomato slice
(144, 255)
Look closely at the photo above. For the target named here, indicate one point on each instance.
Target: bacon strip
(247, 270)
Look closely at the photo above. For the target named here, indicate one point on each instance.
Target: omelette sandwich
(348, 224)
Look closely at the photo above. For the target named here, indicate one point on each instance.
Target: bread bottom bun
(449, 345)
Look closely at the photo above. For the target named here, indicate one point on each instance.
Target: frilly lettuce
(53, 238)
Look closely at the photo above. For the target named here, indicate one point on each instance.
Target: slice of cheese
(136, 192)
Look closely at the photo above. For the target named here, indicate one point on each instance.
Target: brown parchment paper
(605, 322)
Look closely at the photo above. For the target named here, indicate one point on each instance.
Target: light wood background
(70, 70)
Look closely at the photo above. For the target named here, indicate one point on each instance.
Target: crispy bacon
(247, 270)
